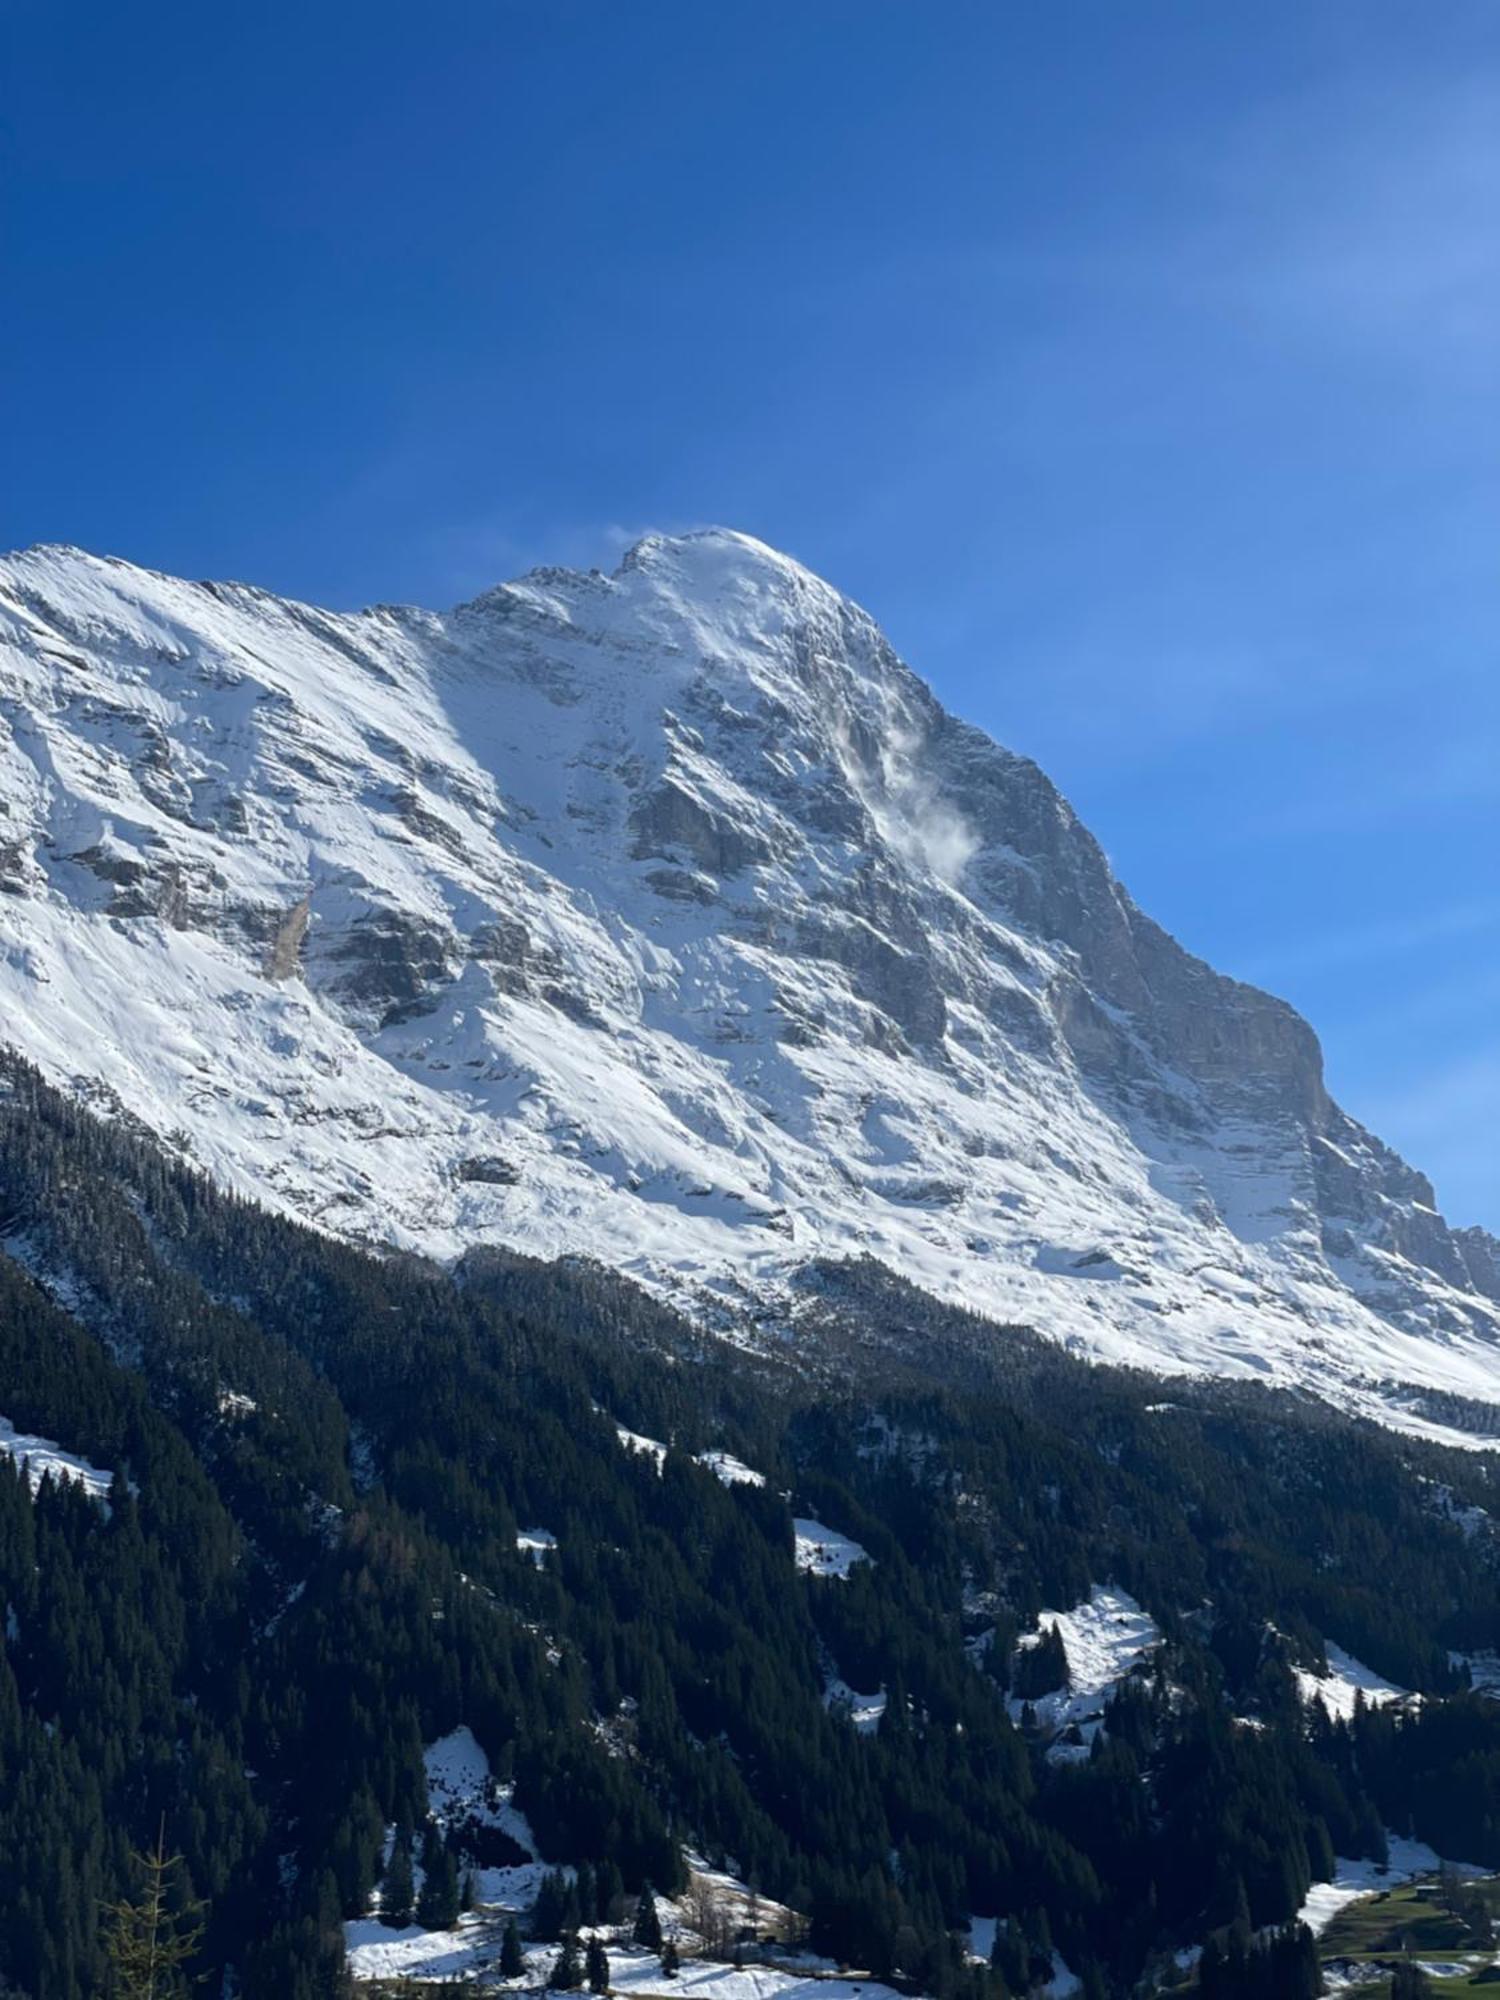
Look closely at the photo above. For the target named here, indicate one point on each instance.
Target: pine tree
(1410, 1983)
(587, 1893)
(548, 1912)
(646, 1930)
(1008, 1957)
(148, 1942)
(1042, 1667)
(596, 1966)
(609, 1892)
(512, 1959)
(565, 1976)
(437, 1906)
(669, 1959)
(396, 1889)
(1038, 1933)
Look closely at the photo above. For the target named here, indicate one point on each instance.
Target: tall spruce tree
(646, 1930)
(566, 1975)
(152, 1937)
(596, 1965)
(437, 1906)
(396, 1885)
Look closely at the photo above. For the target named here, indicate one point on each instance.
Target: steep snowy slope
(667, 917)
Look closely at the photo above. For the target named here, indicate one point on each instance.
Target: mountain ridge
(668, 917)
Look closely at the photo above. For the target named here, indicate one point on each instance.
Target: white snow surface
(1484, 1672)
(43, 1456)
(729, 1470)
(1105, 1639)
(473, 1949)
(863, 1710)
(1409, 1861)
(666, 918)
(640, 1973)
(374, 1952)
(461, 1792)
(1346, 1679)
(824, 1551)
(537, 1543)
(982, 1937)
(1470, 1520)
(651, 1448)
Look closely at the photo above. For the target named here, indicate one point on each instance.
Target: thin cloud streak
(1364, 943)
(1447, 1121)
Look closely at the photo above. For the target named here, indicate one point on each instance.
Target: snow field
(1409, 1861)
(1347, 1679)
(43, 1457)
(824, 1551)
(1105, 1639)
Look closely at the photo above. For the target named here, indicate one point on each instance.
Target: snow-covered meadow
(44, 1458)
(1106, 1639)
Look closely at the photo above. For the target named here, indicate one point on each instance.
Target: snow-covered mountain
(667, 917)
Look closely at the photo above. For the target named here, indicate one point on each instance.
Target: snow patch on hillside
(639, 1973)
(1469, 1519)
(1347, 1679)
(1484, 1672)
(464, 1799)
(729, 1470)
(375, 1952)
(651, 1448)
(1409, 1861)
(462, 1793)
(864, 1711)
(472, 1950)
(824, 1551)
(538, 1543)
(1106, 1639)
(41, 1458)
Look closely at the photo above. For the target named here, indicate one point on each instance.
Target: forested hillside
(304, 1568)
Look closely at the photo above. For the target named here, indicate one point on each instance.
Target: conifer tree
(396, 1888)
(147, 1941)
(548, 1913)
(586, 1890)
(512, 1959)
(669, 1959)
(609, 1892)
(565, 1976)
(646, 1930)
(596, 1965)
(437, 1906)
(1410, 1983)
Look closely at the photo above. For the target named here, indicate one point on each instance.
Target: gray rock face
(384, 967)
(666, 917)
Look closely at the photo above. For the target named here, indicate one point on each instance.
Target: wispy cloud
(474, 555)
(1447, 1120)
(1360, 944)
(1365, 218)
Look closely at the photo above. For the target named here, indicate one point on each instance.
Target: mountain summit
(667, 918)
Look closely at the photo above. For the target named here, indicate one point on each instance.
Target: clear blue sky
(1137, 364)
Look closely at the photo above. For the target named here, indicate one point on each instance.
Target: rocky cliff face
(666, 917)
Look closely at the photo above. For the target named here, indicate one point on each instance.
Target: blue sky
(1138, 365)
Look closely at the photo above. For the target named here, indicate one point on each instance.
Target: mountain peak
(666, 918)
(723, 557)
